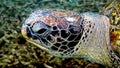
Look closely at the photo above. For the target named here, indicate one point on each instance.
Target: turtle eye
(30, 33)
(39, 27)
(41, 31)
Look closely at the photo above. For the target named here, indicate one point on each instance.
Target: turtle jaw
(37, 43)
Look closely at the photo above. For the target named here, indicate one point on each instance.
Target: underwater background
(16, 52)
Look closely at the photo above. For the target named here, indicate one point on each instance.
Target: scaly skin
(68, 34)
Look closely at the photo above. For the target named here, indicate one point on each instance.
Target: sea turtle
(69, 34)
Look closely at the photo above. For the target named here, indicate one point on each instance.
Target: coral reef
(16, 52)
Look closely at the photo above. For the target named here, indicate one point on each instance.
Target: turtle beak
(25, 31)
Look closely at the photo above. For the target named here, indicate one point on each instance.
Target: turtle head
(58, 32)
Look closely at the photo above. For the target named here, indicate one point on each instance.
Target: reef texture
(16, 52)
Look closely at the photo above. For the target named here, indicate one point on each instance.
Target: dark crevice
(54, 48)
(64, 33)
(21, 40)
(78, 37)
(63, 47)
(59, 40)
(71, 37)
(57, 44)
(49, 38)
(44, 41)
(64, 43)
(55, 33)
(72, 44)
(55, 28)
